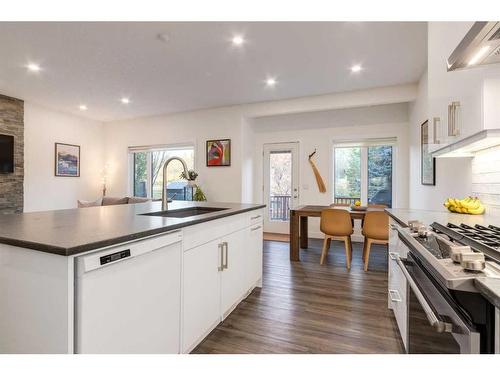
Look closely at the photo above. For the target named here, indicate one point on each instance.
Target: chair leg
(367, 256)
(350, 247)
(347, 253)
(363, 256)
(324, 251)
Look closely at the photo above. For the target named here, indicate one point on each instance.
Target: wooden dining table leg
(304, 235)
(294, 236)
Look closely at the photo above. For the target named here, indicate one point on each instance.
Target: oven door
(434, 327)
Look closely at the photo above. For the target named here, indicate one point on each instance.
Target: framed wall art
(67, 160)
(219, 153)
(427, 161)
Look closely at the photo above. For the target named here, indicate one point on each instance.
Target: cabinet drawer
(255, 217)
(200, 234)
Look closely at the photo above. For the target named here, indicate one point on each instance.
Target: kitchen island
(121, 279)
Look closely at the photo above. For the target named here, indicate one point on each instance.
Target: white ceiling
(97, 63)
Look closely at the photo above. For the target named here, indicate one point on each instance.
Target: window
(363, 171)
(147, 171)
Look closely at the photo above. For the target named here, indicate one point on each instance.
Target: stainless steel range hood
(480, 46)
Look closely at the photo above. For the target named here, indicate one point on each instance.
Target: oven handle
(434, 321)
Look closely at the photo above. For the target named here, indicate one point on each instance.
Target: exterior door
(281, 185)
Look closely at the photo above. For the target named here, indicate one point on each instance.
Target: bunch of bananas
(469, 205)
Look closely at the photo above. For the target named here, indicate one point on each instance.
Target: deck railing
(346, 200)
(279, 207)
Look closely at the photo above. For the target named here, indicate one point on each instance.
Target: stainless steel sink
(186, 212)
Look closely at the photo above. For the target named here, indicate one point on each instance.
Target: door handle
(433, 319)
(226, 247)
(221, 254)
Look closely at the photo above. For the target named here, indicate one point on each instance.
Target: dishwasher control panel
(115, 256)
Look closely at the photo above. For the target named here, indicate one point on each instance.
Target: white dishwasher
(128, 298)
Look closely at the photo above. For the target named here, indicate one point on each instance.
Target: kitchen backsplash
(486, 178)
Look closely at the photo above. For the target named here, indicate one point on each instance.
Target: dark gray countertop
(73, 231)
(490, 288)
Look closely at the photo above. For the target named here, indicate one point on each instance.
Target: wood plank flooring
(307, 308)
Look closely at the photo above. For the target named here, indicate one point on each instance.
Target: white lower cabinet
(201, 292)
(217, 275)
(397, 290)
(254, 242)
(234, 275)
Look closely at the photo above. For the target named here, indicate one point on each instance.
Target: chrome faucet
(164, 197)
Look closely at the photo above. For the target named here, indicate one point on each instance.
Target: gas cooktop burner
(479, 238)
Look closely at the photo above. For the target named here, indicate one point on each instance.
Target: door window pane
(280, 185)
(380, 175)
(140, 174)
(347, 175)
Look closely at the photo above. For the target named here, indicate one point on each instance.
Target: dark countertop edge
(491, 295)
(403, 224)
(56, 250)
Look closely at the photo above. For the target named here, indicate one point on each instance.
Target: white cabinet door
(201, 294)
(236, 268)
(472, 88)
(254, 244)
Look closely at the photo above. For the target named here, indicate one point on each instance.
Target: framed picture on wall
(67, 160)
(427, 162)
(219, 153)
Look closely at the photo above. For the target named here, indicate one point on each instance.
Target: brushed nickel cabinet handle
(221, 253)
(393, 256)
(255, 217)
(394, 295)
(254, 229)
(226, 264)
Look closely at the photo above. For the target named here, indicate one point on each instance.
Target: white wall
(221, 184)
(486, 178)
(453, 176)
(42, 128)
(319, 130)
(224, 184)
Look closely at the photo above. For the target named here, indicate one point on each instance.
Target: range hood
(480, 46)
(467, 147)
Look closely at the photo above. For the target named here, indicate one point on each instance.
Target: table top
(316, 210)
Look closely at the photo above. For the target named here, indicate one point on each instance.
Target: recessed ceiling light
(125, 100)
(82, 107)
(238, 40)
(271, 82)
(32, 67)
(356, 68)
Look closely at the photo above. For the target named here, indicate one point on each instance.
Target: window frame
(364, 144)
(132, 150)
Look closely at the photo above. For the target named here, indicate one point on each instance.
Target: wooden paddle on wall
(319, 179)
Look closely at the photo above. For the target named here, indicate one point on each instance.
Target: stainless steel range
(446, 312)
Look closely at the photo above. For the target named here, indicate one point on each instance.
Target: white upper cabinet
(460, 101)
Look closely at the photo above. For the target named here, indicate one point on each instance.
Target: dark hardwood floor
(307, 308)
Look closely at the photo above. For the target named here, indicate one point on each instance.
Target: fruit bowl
(358, 208)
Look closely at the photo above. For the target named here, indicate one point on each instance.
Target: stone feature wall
(11, 184)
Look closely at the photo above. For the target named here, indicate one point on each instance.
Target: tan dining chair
(336, 225)
(376, 230)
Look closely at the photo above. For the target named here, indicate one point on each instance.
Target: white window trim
(135, 149)
(364, 144)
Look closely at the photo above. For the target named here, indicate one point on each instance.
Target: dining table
(299, 224)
